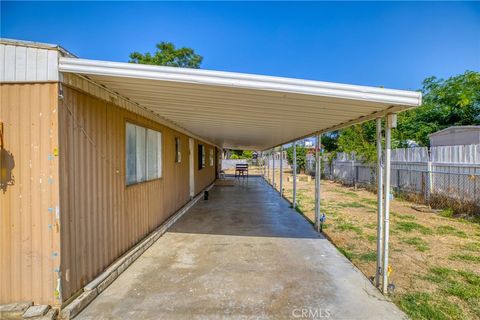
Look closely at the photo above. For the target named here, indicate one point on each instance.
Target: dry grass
(422, 245)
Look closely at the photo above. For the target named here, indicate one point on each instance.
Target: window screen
(143, 154)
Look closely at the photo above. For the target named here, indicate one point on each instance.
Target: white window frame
(142, 171)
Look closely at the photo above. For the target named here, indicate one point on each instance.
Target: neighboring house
(453, 136)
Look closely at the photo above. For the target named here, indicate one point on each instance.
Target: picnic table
(241, 170)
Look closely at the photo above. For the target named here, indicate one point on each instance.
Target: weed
(422, 305)
(419, 244)
(406, 217)
(439, 274)
(448, 213)
(463, 291)
(352, 204)
(371, 238)
(451, 310)
(409, 226)
(473, 246)
(464, 285)
(348, 254)
(369, 201)
(449, 230)
(370, 225)
(347, 193)
(465, 258)
(470, 277)
(369, 256)
(348, 226)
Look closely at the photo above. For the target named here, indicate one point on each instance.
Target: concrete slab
(36, 311)
(244, 253)
(14, 310)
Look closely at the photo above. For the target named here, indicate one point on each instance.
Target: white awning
(243, 111)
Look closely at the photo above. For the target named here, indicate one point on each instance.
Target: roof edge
(443, 131)
(40, 45)
(245, 81)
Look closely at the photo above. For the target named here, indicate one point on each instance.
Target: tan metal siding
(29, 242)
(206, 175)
(101, 216)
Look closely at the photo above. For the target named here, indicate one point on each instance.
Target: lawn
(435, 259)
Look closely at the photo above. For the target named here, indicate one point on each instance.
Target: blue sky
(387, 44)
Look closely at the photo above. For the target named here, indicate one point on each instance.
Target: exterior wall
(206, 175)
(456, 136)
(101, 217)
(24, 63)
(29, 195)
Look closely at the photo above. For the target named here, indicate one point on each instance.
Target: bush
(301, 157)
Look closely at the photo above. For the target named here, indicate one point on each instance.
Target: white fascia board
(239, 80)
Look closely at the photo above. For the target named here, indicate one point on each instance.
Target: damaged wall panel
(29, 196)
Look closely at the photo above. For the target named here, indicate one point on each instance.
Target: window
(211, 157)
(201, 156)
(178, 151)
(143, 154)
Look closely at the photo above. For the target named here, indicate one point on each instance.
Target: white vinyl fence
(446, 176)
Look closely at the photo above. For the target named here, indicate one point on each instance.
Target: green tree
(359, 138)
(168, 55)
(247, 154)
(301, 157)
(241, 154)
(451, 102)
(330, 141)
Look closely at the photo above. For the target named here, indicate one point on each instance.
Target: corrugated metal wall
(204, 176)
(102, 217)
(29, 233)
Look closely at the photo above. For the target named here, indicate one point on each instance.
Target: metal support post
(268, 167)
(391, 123)
(294, 191)
(317, 181)
(429, 181)
(273, 169)
(281, 171)
(378, 273)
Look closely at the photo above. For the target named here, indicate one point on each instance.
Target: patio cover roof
(243, 111)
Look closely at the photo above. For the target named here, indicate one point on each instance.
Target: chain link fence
(441, 185)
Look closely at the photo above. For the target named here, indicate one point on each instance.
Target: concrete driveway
(243, 254)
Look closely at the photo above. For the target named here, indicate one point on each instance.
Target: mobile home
(97, 156)
(86, 174)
